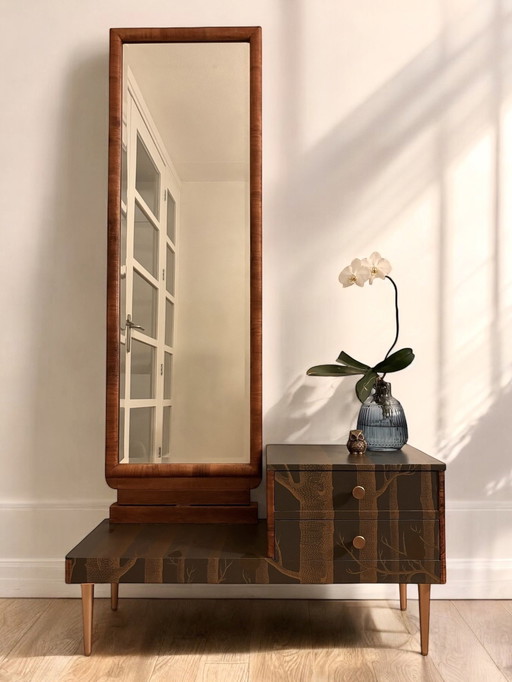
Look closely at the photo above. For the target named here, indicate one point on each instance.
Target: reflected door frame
(138, 126)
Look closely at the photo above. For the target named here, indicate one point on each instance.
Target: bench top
(169, 553)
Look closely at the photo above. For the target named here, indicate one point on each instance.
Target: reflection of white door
(148, 276)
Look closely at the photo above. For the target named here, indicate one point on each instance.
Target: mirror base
(177, 513)
(184, 496)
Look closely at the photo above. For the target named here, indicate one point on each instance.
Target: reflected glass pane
(147, 179)
(141, 434)
(171, 218)
(121, 433)
(123, 239)
(169, 322)
(169, 271)
(166, 437)
(144, 304)
(124, 176)
(145, 242)
(143, 370)
(167, 376)
(122, 371)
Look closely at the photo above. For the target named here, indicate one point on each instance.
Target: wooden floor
(254, 641)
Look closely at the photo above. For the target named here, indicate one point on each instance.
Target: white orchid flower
(355, 273)
(378, 266)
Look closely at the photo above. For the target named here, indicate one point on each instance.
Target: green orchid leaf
(332, 371)
(365, 384)
(345, 359)
(397, 361)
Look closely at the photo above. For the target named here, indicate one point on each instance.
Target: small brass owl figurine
(356, 443)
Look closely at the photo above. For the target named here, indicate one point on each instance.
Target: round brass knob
(358, 492)
(359, 542)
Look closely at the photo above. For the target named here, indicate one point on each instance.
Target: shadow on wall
(361, 178)
(312, 414)
(482, 467)
(67, 412)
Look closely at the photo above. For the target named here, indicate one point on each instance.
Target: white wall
(387, 126)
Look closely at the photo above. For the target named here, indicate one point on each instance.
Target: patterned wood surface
(393, 551)
(171, 553)
(271, 514)
(340, 518)
(337, 457)
(333, 491)
(231, 554)
(320, 531)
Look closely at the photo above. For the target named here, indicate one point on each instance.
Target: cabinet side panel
(442, 529)
(271, 549)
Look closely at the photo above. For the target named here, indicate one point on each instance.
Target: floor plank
(16, 618)
(364, 640)
(229, 628)
(395, 640)
(400, 666)
(46, 649)
(491, 622)
(223, 672)
(455, 649)
(336, 631)
(202, 637)
(254, 641)
(125, 643)
(280, 642)
(183, 647)
(507, 604)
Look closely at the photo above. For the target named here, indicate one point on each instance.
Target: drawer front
(355, 550)
(312, 494)
(342, 572)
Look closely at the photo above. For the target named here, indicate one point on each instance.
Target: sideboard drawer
(310, 494)
(354, 539)
(337, 518)
(360, 551)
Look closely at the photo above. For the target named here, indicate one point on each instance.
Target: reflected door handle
(129, 326)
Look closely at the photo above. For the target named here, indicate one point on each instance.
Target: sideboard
(332, 517)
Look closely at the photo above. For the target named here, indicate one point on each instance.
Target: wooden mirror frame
(181, 492)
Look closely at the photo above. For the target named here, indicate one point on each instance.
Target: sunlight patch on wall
(499, 484)
(412, 242)
(505, 246)
(469, 290)
(340, 76)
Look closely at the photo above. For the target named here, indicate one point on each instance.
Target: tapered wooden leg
(424, 597)
(114, 596)
(403, 596)
(87, 611)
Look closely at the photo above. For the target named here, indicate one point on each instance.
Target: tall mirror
(184, 278)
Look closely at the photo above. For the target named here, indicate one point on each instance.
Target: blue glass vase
(382, 419)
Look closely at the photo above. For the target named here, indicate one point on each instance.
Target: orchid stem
(397, 318)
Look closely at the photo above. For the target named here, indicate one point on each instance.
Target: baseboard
(467, 579)
(54, 527)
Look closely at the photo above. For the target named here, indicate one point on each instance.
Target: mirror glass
(185, 254)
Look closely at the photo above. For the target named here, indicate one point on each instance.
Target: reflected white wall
(211, 406)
